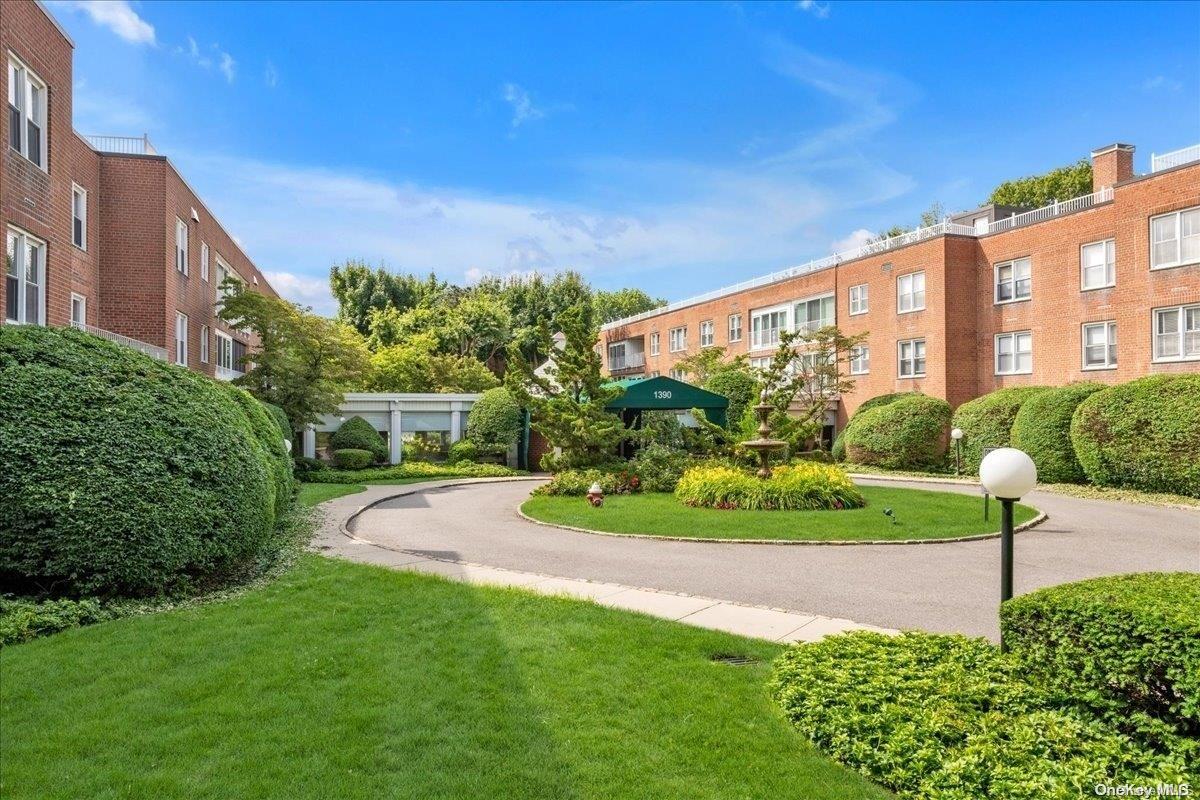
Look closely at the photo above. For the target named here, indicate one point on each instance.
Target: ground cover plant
(1042, 428)
(908, 433)
(804, 486)
(421, 470)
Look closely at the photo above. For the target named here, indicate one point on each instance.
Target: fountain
(764, 445)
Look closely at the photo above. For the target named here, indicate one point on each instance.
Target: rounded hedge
(1042, 428)
(739, 387)
(495, 419)
(124, 475)
(987, 421)
(358, 434)
(280, 417)
(838, 451)
(907, 433)
(352, 458)
(806, 486)
(1144, 434)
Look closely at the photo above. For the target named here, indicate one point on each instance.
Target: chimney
(1111, 165)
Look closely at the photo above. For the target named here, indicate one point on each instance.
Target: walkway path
(935, 587)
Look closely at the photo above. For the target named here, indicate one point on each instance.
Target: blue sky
(669, 146)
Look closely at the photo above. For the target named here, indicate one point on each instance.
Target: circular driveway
(952, 587)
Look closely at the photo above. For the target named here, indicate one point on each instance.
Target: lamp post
(1007, 473)
(956, 434)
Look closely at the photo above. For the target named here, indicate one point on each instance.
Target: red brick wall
(85, 263)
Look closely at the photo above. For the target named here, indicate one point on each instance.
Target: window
(78, 311)
(78, 217)
(654, 344)
(677, 339)
(760, 363)
(224, 351)
(26, 113)
(203, 344)
(1012, 280)
(735, 328)
(181, 246)
(911, 353)
(1100, 345)
(707, 333)
(765, 327)
(677, 374)
(860, 360)
(181, 325)
(1098, 264)
(910, 292)
(1177, 333)
(812, 315)
(858, 299)
(1175, 239)
(24, 278)
(616, 356)
(1014, 353)
(204, 260)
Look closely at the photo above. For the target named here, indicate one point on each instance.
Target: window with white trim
(78, 311)
(26, 112)
(1014, 353)
(181, 337)
(858, 299)
(910, 292)
(708, 333)
(1175, 239)
(677, 374)
(181, 246)
(204, 260)
(1098, 265)
(204, 344)
(910, 355)
(735, 328)
(761, 363)
(677, 339)
(654, 344)
(1177, 333)
(765, 326)
(1100, 345)
(860, 360)
(224, 351)
(24, 278)
(1013, 280)
(78, 216)
(814, 314)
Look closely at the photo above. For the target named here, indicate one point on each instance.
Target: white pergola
(396, 414)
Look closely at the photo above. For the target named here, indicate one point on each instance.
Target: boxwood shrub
(838, 451)
(352, 458)
(987, 422)
(803, 486)
(907, 433)
(358, 434)
(1042, 428)
(1144, 434)
(495, 419)
(1126, 647)
(124, 475)
(280, 417)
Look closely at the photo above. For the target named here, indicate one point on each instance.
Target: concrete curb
(344, 525)
(868, 476)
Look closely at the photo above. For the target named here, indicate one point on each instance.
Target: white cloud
(305, 290)
(271, 75)
(99, 112)
(818, 10)
(523, 109)
(116, 15)
(209, 57)
(853, 240)
(228, 65)
(1161, 82)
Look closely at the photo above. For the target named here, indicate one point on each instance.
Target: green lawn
(348, 681)
(919, 514)
(313, 493)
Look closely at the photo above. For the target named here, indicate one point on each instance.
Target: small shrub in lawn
(659, 468)
(1144, 434)
(409, 470)
(987, 422)
(907, 433)
(495, 420)
(1042, 428)
(803, 486)
(577, 482)
(352, 458)
(838, 451)
(357, 434)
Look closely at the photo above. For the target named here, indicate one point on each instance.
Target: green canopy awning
(668, 394)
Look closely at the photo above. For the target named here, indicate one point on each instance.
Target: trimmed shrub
(410, 469)
(987, 422)
(495, 419)
(577, 482)
(739, 386)
(280, 417)
(352, 458)
(907, 433)
(1042, 428)
(1125, 647)
(127, 476)
(949, 718)
(358, 434)
(804, 486)
(838, 451)
(659, 468)
(464, 450)
(1144, 434)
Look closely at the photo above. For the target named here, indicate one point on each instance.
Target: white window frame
(224, 351)
(860, 360)
(681, 345)
(204, 258)
(181, 246)
(79, 192)
(735, 328)
(761, 363)
(1180, 334)
(22, 243)
(204, 335)
(757, 339)
(708, 333)
(1012, 265)
(1015, 338)
(654, 346)
(80, 302)
(1110, 344)
(181, 338)
(1178, 238)
(676, 374)
(912, 358)
(859, 299)
(824, 301)
(1109, 264)
(22, 81)
(911, 293)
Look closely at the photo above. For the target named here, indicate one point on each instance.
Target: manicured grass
(311, 494)
(919, 514)
(348, 681)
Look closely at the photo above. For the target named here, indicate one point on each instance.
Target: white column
(396, 434)
(310, 441)
(455, 424)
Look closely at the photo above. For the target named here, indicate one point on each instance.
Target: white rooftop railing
(123, 145)
(151, 350)
(1184, 155)
(1055, 209)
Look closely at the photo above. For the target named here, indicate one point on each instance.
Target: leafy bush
(1144, 434)
(410, 469)
(659, 468)
(358, 434)
(950, 718)
(577, 482)
(495, 419)
(467, 451)
(280, 417)
(127, 476)
(303, 466)
(352, 458)
(1042, 428)
(1126, 647)
(907, 433)
(838, 451)
(22, 620)
(987, 422)
(802, 486)
(739, 386)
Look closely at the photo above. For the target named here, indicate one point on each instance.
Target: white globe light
(287, 444)
(1008, 473)
(956, 433)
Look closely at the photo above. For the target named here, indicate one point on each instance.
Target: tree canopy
(1035, 191)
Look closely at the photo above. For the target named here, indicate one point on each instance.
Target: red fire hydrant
(595, 495)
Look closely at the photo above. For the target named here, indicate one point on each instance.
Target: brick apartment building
(1104, 287)
(102, 232)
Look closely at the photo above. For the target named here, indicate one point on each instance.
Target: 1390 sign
(662, 395)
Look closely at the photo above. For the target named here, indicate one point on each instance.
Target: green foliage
(360, 290)
(23, 620)
(1042, 428)
(302, 466)
(839, 443)
(464, 450)
(280, 417)
(659, 468)
(1036, 191)
(610, 306)
(1144, 434)
(495, 419)
(578, 482)
(702, 366)
(1126, 648)
(358, 434)
(351, 458)
(417, 366)
(409, 470)
(739, 386)
(907, 433)
(950, 718)
(126, 476)
(987, 422)
(799, 487)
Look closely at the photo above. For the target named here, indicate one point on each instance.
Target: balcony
(122, 145)
(622, 362)
(1175, 158)
(142, 347)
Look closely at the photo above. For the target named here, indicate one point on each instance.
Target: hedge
(406, 471)
(352, 458)
(907, 433)
(495, 419)
(1126, 647)
(987, 422)
(124, 475)
(358, 434)
(805, 486)
(1144, 434)
(280, 417)
(838, 451)
(1042, 428)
